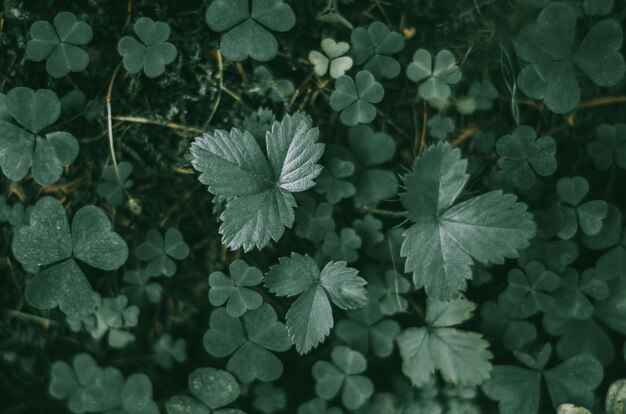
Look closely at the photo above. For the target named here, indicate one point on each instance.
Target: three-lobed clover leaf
(112, 188)
(89, 388)
(572, 297)
(518, 390)
(317, 406)
(152, 52)
(258, 123)
(60, 44)
(248, 341)
(524, 156)
(269, 399)
(503, 320)
(48, 240)
(332, 61)
(550, 48)
(342, 246)
(343, 375)
(117, 313)
(167, 350)
(589, 216)
(371, 150)
(610, 147)
(373, 46)
(310, 317)
(445, 238)
(389, 291)
(235, 290)
(247, 23)
(313, 221)
(461, 357)
(369, 230)
(259, 187)
(355, 98)
(483, 93)
(530, 288)
(160, 251)
(140, 288)
(212, 389)
(440, 126)
(437, 76)
(366, 329)
(22, 148)
(331, 181)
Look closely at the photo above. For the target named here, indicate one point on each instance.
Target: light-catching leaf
(445, 238)
(260, 188)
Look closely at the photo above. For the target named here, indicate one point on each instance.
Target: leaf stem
(385, 213)
(146, 121)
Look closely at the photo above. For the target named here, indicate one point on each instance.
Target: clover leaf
(66, 380)
(112, 188)
(47, 240)
(279, 89)
(310, 317)
(366, 329)
(589, 215)
(371, 150)
(369, 230)
(483, 93)
(530, 288)
(461, 357)
(211, 389)
(572, 297)
(247, 27)
(342, 246)
(167, 350)
(518, 390)
(152, 52)
(548, 46)
(332, 61)
(5, 115)
(610, 147)
(437, 76)
(331, 181)
(343, 375)
(313, 221)
(260, 187)
(140, 288)
(317, 406)
(390, 291)
(269, 399)
(160, 251)
(355, 98)
(248, 343)
(373, 46)
(235, 290)
(613, 263)
(59, 44)
(440, 126)
(524, 156)
(258, 123)
(505, 320)
(487, 228)
(23, 148)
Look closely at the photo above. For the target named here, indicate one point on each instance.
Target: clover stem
(424, 124)
(220, 67)
(110, 124)
(146, 121)
(385, 213)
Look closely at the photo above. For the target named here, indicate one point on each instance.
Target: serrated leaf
(487, 228)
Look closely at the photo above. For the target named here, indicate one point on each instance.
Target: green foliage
(588, 216)
(90, 240)
(373, 47)
(235, 291)
(59, 45)
(211, 388)
(355, 98)
(22, 148)
(152, 52)
(461, 357)
(440, 126)
(518, 390)
(531, 288)
(332, 61)
(247, 27)
(310, 318)
(437, 76)
(548, 47)
(610, 147)
(248, 343)
(342, 375)
(261, 186)
(111, 188)
(160, 251)
(487, 228)
(524, 156)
